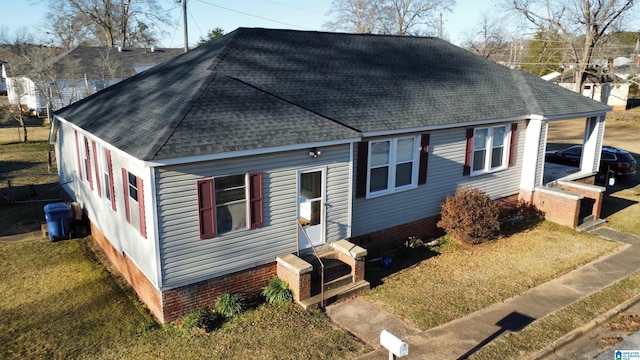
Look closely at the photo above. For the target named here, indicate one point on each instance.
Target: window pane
(404, 174)
(133, 183)
(478, 159)
(311, 185)
(496, 157)
(107, 186)
(379, 179)
(405, 150)
(498, 136)
(230, 195)
(231, 217)
(225, 182)
(379, 153)
(480, 139)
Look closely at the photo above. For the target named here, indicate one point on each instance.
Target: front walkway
(462, 337)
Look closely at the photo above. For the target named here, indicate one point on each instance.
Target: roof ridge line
(179, 118)
(292, 103)
(525, 92)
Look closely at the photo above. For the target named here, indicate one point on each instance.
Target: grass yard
(461, 280)
(544, 332)
(11, 132)
(59, 301)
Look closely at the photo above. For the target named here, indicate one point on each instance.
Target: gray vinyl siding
(185, 258)
(444, 176)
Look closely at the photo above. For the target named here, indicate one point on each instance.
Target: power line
(255, 16)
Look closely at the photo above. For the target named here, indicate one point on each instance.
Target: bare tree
(65, 28)
(358, 16)
(579, 24)
(488, 38)
(110, 22)
(399, 17)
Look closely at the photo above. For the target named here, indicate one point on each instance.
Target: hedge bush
(470, 216)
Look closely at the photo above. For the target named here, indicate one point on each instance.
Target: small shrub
(470, 216)
(204, 320)
(229, 304)
(199, 322)
(277, 292)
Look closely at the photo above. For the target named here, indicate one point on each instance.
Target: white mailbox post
(395, 345)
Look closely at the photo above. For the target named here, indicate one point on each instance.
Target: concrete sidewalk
(462, 337)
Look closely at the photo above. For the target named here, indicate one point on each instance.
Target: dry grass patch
(59, 302)
(461, 280)
(544, 332)
(622, 210)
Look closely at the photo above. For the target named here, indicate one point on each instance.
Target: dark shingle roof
(260, 88)
(102, 62)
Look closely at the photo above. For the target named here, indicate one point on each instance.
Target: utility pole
(184, 16)
(440, 27)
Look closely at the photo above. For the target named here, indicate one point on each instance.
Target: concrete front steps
(338, 279)
(335, 294)
(344, 264)
(590, 223)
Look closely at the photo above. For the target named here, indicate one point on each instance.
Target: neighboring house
(3, 77)
(198, 175)
(85, 70)
(606, 87)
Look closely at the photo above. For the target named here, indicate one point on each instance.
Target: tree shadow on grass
(402, 258)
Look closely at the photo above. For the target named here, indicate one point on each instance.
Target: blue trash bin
(58, 216)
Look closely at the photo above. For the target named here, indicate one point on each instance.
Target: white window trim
(247, 207)
(391, 176)
(104, 173)
(489, 151)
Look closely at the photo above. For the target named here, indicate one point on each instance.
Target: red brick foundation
(146, 291)
(395, 236)
(183, 300)
(170, 304)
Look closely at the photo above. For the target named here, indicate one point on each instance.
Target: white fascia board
(570, 116)
(105, 144)
(474, 123)
(252, 152)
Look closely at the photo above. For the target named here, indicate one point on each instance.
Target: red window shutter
(143, 222)
(361, 169)
(88, 155)
(513, 144)
(110, 168)
(95, 162)
(424, 158)
(255, 200)
(206, 209)
(78, 156)
(125, 191)
(468, 154)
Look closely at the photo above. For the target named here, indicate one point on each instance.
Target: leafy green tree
(211, 35)
(545, 54)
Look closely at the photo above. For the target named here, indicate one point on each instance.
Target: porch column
(592, 144)
(532, 160)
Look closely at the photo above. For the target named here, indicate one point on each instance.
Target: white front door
(311, 209)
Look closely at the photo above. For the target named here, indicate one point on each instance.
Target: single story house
(600, 84)
(83, 71)
(223, 166)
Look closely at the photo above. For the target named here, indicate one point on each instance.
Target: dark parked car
(616, 162)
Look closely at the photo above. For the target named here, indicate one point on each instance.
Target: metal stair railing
(315, 253)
